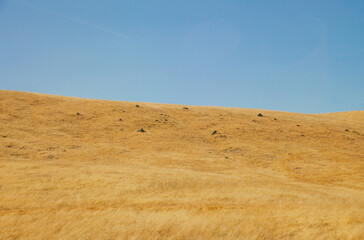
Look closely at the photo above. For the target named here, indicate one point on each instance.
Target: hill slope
(74, 168)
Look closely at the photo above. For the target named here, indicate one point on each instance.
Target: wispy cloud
(76, 20)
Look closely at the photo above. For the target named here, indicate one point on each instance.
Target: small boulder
(137, 106)
(140, 130)
(346, 130)
(78, 113)
(185, 108)
(260, 115)
(120, 119)
(214, 132)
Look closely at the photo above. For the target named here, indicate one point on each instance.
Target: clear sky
(299, 56)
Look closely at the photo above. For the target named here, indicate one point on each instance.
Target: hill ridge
(85, 159)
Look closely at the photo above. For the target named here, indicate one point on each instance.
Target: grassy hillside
(74, 168)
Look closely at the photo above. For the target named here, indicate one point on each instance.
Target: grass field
(74, 168)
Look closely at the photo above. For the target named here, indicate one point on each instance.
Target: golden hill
(74, 168)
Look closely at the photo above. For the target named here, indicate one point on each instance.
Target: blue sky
(299, 56)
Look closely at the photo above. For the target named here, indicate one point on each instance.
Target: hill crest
(86, 159)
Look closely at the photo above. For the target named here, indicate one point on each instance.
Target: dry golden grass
(91, 176)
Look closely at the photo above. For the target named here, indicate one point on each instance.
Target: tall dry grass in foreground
(93, 176)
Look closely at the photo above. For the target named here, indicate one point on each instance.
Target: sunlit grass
(176, 181)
